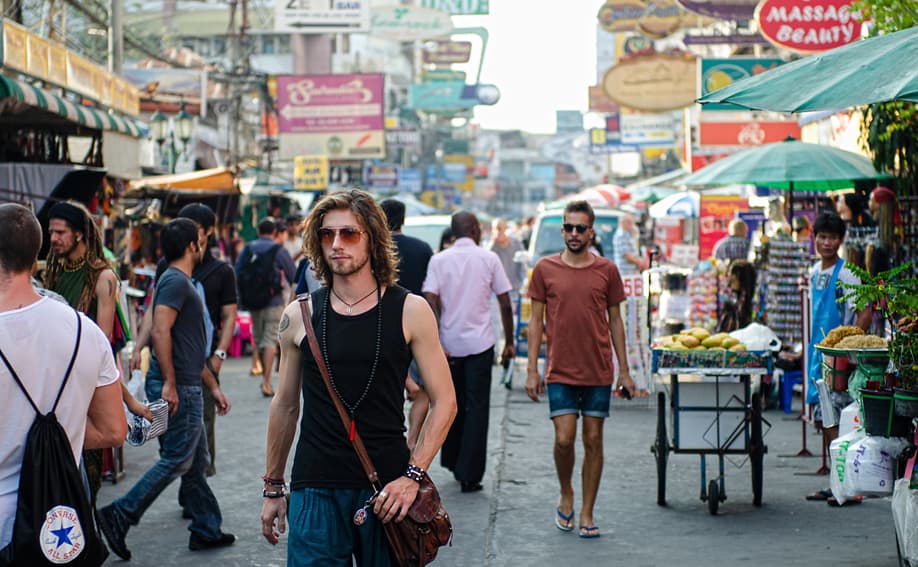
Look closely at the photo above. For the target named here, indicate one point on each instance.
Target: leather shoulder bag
(427, 527)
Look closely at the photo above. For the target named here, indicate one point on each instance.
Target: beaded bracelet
(273, 481)
(416, 474)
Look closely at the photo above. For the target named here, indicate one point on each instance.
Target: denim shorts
(591, 401)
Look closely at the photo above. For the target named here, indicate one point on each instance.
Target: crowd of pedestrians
(391, 317)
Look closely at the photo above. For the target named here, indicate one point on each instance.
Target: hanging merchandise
(704, 286)
(786, 264)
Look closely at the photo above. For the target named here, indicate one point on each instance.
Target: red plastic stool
(243, 333)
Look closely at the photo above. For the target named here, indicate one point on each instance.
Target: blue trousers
(322, 532)
(183, 453)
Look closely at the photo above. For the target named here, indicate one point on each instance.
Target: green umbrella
(792, 165)
(877, 69)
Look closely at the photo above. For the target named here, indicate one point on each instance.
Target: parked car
(428, 228)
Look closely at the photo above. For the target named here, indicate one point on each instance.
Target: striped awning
(92, 118)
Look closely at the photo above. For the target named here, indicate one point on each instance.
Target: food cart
(714, 410)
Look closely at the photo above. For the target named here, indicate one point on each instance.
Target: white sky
(542, 57)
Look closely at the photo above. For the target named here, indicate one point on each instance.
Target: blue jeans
(322, 532)
(183, 452)
(589, 401)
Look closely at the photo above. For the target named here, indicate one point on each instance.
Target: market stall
(714, 408)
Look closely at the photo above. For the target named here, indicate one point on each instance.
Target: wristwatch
(221, 354)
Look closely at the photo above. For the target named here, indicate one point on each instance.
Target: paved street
(510, 522)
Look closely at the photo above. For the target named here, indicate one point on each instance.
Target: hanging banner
(340, 116)
(808, 27)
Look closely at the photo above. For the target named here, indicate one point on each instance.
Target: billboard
(719, 73)
(321, 16)
(340, 116)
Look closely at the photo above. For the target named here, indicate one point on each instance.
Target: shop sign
(336, 115)
(605, 142)
(726, 39)
(647, 130)
(714, 214)
(321, 16)
(458, 171)
(808, 26)
(401, 138)
(653, 83)
(310, 173)
(447, 52)
(381, 177)
(42, 59)
(409, 180)
(459, 7)
(403, 22)
(752, 133)
(722, 9)
(661, 18)
(621, 15)
(599, 102)
(442, 75)
(450, 95)
(719, 73)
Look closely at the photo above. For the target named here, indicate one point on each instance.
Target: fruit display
(698, 338)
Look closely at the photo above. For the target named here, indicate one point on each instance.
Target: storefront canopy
(205, 182)
(21, 103)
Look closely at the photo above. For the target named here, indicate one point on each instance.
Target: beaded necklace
(352, 408)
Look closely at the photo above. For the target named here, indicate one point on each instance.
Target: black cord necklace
(352, 408)
(351, 306)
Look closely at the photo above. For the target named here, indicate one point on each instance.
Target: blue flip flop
(589, 532)
(566, 519)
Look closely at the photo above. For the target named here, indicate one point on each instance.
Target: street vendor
(827, 311)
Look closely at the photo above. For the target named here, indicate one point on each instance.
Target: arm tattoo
(284, 323)
(111, 289)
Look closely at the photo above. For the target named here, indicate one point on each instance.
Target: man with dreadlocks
(78, 271)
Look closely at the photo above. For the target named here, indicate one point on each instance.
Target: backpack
(259, 280)
(198, 280)
(54, 522)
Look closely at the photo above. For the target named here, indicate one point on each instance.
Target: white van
(547, 238)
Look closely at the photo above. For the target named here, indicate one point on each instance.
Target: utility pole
(116, 37)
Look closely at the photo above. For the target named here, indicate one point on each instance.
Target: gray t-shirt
(189, 340)
(513, 269)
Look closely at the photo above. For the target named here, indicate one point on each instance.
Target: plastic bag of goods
(838, 466)
(905, 516)
(870, 465)
(757, 337)
(849, 420)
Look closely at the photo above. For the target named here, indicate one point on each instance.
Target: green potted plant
(894, 294)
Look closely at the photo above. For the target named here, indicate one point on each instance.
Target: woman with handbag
(354, 485)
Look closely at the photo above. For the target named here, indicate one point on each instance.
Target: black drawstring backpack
(54, 523)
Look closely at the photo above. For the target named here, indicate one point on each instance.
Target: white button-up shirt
(464, 276)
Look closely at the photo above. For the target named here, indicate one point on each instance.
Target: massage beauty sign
(808, 26)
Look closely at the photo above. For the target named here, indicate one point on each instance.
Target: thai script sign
(808, 26)
(409, 23)
(336, 115)
(653, 82)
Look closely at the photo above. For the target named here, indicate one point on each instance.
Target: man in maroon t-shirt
(578, 294)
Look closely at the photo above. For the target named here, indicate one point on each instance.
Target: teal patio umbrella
(878, 69)
(791, 165)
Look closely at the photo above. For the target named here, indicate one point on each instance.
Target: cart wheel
(661, 449)
(756, 450)
(713, 497)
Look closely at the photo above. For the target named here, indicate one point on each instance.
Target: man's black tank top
(324, 456)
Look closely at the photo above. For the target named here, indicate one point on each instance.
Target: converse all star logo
(62, 537)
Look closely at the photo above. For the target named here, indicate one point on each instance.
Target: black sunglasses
(581, 228)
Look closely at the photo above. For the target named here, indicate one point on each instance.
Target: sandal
(848, 501)
(589, 532)
(267, 393)
(568, 521)
(820, 495)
